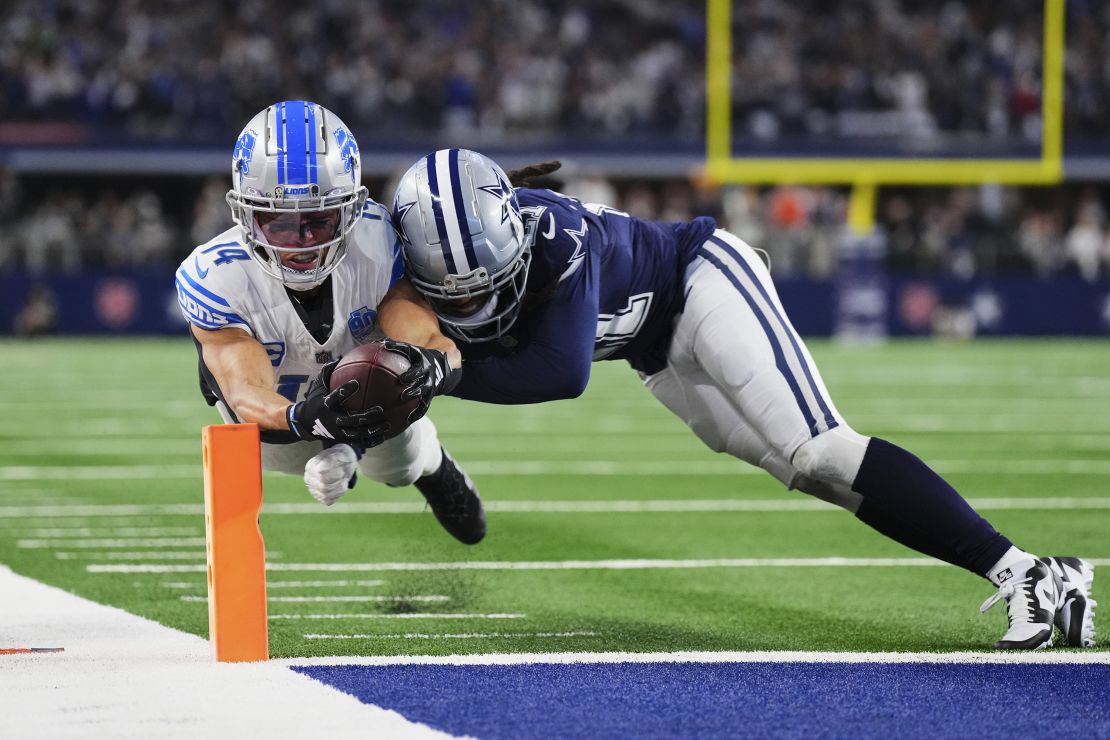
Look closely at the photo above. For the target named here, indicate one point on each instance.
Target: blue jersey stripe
(200, 288)
(437, 209)
(313, 176)
(460, 212)
(830, 422)
(776, 347)
(203, 315)
(279, 127)
(296, 145)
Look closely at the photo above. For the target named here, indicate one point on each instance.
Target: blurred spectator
(1085, 239)
(608, 68)
(39, 313)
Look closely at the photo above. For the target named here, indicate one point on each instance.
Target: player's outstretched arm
(404, 315)
(242, 369)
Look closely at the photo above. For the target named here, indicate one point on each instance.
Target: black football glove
(430, 374)
(321, 416)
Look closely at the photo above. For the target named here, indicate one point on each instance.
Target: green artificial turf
(117, 422)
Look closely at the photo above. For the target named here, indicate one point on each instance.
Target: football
(377, 370)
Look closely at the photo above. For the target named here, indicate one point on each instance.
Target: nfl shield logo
(323, 358)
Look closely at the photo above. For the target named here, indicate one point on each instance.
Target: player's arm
(404, 315)
(556, 362)
(242, 370)
(413, 330)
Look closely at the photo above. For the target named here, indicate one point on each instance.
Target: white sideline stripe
(1040, 657)
(326, 599)
(122, 676)
(827, 562)
(281, 584)
(460, 636)
(725, 466)
(407, 615)
(802, 503)
(92, 544)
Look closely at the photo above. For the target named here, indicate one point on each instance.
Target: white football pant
(742, 379)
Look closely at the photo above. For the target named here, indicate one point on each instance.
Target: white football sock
(1013, 557)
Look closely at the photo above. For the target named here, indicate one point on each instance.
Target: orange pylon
(237, 626)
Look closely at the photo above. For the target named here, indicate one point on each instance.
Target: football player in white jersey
(276, 300)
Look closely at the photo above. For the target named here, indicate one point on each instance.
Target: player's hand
(331, 473)
(321, 416)
(430, 374)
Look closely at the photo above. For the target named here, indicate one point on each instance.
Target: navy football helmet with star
(463, 242)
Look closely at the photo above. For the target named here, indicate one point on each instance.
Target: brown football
(377, 370)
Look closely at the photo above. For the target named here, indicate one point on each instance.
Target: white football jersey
(220, 286)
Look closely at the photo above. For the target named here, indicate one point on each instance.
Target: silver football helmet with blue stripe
(296, 191)
(463, 242)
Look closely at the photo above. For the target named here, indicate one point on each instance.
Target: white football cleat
(1033, 594)
(1076, 615)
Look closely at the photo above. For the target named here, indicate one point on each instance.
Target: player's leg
(692, 396)
(736, 329)
(416, 457)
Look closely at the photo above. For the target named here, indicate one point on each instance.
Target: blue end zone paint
(728, 700)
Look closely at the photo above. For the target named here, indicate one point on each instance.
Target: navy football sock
(904, 499)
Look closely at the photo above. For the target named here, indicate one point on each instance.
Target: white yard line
(117, 532)
(336, 599)
(284, 584)
(801, 503)
(92, 544)
(408, 615)
(122, 676)
(1009, 657)
(641, 564)
(460, 636)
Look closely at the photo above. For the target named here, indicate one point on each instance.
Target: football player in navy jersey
(533, 286)
(275, 301)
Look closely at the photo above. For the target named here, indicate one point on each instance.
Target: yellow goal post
(864, 174)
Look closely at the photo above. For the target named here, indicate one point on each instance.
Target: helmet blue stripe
(296, 143)
(279, 127)
(312, 175)
(460, 212)
(437, 209)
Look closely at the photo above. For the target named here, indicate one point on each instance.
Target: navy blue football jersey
(602, 286)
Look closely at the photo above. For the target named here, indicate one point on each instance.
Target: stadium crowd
(961, 232)
(195, 69)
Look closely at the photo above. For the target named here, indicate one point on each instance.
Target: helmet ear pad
(462, 237)
(296, 157)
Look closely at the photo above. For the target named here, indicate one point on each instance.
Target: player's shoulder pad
(374, 237)
(209, 281)
(556, 226)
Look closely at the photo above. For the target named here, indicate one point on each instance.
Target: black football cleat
(454, 501)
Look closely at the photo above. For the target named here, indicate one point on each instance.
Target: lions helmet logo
(243, 152)
(348, 148)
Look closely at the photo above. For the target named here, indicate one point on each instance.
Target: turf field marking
(765, 656)
(460, 636)
(407, 615)
(285, 584)
(329, 599)
(152, 555)
(124, 676)
(121, 532)
(828, 562)
(92, 544)
(721, 466)
(800, 503)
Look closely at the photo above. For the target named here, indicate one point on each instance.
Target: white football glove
(328, 474)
